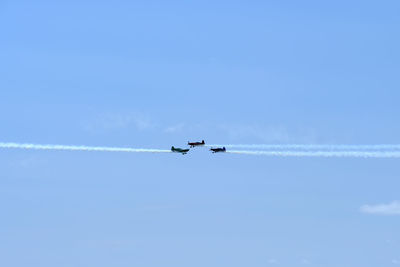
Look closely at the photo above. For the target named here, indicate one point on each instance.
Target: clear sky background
(151, 74)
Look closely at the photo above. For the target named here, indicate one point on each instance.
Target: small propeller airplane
(217, 150)
(179, 150)
(194, 144)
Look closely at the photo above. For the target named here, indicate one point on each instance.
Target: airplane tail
(172, 148)
(202, 142)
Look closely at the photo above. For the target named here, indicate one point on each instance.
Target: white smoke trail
(81, 148)
(311, 147)
(275, 153)
(329, 154)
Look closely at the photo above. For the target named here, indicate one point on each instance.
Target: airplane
(216, 150)
(193, 144)
(179, 150)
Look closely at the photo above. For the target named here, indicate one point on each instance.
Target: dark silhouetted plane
(217, 150)
(179, 150)
(193, 144)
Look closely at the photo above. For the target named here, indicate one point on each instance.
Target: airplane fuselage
(194, 144)
(179, 150)
(217, 150)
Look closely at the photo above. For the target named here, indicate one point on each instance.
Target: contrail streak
(312, 147)
(272, 153)
(81, 148)
(327, 154)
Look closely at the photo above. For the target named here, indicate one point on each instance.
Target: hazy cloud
(272, 261)
(28, 162)
(174, 128)
(268, 134)
(117, 121)
(392, 208)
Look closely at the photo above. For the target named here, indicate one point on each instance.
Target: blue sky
(155, 74)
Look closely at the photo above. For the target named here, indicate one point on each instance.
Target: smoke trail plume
(311, 147)
(81, 148)
(327, 154)
(390, 152)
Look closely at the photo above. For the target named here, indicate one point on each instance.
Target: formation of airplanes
(184, 151)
